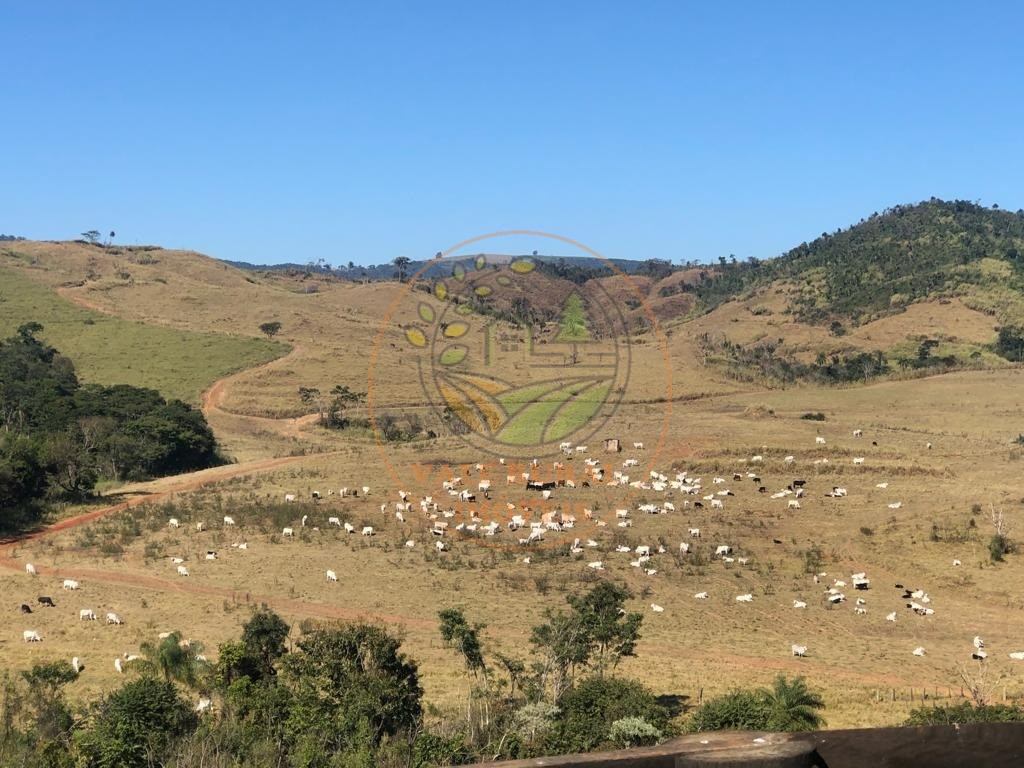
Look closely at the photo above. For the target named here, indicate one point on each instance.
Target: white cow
(890, 616)
(919, 651)
(793, 504)
(87, 614)
(1017, 655)
(723, 549)
(798, 650)
(289, 497)
(228, 520)
(695, 533)
(334, 521)
(597, 565)
(200, 527)
(701, 596)
(332, 576)
(77, 665)
(638, 446)
(30, 569)
(799, 604)
(747, 598)
(70, 584)
(657, 608)
(349, 528)
(287, 532)
(819, 440)
(368, 530)
(113, 618)
(31, 636)
(182, 570)
(173, 522)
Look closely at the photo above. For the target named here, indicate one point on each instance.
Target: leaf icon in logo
(453, 355)
(522, 266)
(483, 290)
(456, 330)
(459, 272)
(426, 312)
(441, 291)
(481, 261)
(416, 337)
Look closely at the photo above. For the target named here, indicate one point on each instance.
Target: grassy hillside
(109, 350)
(886, 262)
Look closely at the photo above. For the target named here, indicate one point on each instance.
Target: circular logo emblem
(521, 358)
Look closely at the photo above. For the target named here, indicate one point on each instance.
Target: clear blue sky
(362, 131)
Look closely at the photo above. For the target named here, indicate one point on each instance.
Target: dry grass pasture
(715, 427)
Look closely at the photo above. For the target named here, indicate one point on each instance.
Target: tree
(1000, 544)
(51, 719)
(341, 397)
(263, 638)
(1010, 343)
(173, 659)
(352, 689)
(401, 265)
(134, 725)
(613, 633)
(271, 328)
(92, 236)
(458, 633)
(573, 322)
(792, 706)
(310, 396)
(563, 643)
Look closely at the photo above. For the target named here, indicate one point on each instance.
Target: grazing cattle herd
(547, 509)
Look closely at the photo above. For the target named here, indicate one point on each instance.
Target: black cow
(44, 600)
(799, 483)
(25, 608)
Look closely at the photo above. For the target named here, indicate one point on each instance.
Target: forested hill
(891, 259)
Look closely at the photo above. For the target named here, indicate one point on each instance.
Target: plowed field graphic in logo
(506, 377)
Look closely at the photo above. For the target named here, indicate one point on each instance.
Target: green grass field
(109, 350)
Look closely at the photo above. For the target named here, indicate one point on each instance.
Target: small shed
(612, 445)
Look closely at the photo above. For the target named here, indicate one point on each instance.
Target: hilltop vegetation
(60, 437)
(891, 259)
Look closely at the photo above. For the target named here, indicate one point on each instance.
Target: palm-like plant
(793, 706)
(174, 659)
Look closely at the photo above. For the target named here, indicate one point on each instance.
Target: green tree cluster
(58, 436)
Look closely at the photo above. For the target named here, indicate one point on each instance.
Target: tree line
(348, 696)
(58, 437)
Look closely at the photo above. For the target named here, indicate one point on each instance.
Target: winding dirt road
(161, 488)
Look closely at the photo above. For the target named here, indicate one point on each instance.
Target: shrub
(633, 732)
(865, 530)
(817, 416)
(966, 712)
(998, 546)
(590, 710)
(738, 710)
